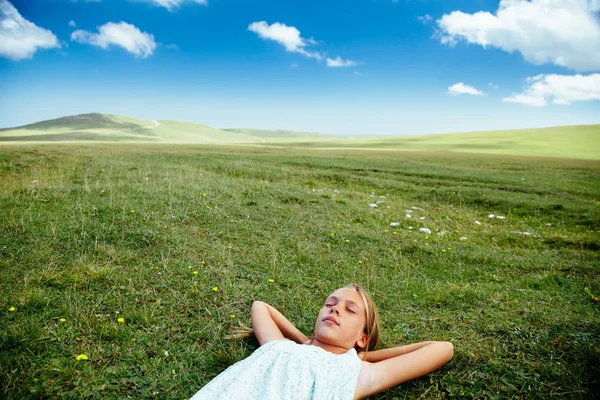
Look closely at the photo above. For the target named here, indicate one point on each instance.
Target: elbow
(448, 350)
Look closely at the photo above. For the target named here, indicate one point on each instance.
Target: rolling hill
(115, 128)
(581, 141)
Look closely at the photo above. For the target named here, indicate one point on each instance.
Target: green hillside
(280, 134)
(582, 142)
(114, 128)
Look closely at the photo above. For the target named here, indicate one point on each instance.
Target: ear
(362, 341)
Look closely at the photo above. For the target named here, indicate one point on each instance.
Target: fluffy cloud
(20, 38)
(173, 5)
(461, 88)
(561, 32)
(288, 36)
(120, 34)
(338, 62)
(72, 24)
(560, 89)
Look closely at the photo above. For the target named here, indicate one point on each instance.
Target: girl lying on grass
(336, 363)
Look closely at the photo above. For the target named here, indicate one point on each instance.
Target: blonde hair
(372, 324)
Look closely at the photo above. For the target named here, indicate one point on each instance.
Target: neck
(328, 347)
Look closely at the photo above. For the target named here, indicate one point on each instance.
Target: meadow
(124, 268)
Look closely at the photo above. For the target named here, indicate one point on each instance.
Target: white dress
(282, 369)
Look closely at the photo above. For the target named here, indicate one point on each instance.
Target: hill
(280, 134)
(581, 142)
(111, 128)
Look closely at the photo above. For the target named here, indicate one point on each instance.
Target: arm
(269, 324)
(401, 364)
(380, 355)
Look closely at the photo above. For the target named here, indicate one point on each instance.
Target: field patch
(125, 267)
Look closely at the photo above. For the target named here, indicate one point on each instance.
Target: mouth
(331, 320)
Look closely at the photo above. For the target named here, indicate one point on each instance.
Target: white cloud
(560, 89)
(20, 38)
(561, 32)
(72, 24)
(425, 18)
(493, 85)
(461, 88)
(338, 62)
(173, 5)
(172, 46)
(120, 34)
(288, 36)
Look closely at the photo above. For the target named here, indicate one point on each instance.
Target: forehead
(347, 294)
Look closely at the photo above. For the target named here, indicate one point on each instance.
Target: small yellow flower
(121, 320)
(395, 233)
(133, 211)
(443, 251)
(189, 267)
(359, 261)
(207, 206)
(195, 272)
(347, 241)
(11, 309)
(215, 289)
(62, 320)
(232, 315)
(166, 227)
(203, 194)
(385, 230)
(81, 357)
(271, 280)
(331, 234)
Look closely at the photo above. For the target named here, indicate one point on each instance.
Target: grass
(581, 142)
(180, 256)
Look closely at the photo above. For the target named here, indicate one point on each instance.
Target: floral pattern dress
(282, 369)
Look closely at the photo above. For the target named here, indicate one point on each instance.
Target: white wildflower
(425, 230)
(410, 228)
(477, 223)
(462, 239)
(491, 216)
(395, 224)
(422, 218)
(500, 217)
(373, 205)
(408, 216)
(417, 208)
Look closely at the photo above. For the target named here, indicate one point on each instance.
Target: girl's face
(341, 321)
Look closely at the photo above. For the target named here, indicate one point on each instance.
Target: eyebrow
(347, 301)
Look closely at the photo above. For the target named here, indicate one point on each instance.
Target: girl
(337, 362)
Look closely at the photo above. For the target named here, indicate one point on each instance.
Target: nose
(335, 310)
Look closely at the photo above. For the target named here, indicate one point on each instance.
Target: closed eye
(352, 311)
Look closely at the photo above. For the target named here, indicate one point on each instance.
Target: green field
(179, 240)
(97, 127)
(580, 142)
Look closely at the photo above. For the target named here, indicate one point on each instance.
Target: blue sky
(352, 67)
